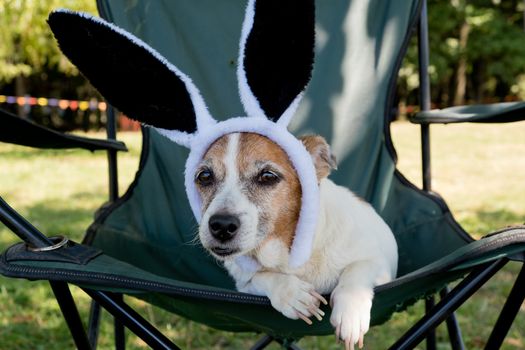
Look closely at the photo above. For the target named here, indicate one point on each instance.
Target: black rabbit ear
(131, 75)
(276, 56)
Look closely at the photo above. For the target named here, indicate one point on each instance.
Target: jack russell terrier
(251, 198)
(265, 205)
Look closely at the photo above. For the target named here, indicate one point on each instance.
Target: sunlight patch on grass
(477, 168)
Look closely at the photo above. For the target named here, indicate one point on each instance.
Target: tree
(29, 55)
(26, 44)
(477, 52)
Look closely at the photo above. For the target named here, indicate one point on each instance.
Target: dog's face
(250, 192)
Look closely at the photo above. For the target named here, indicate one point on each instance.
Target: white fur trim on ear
(298, 155)
(201, 111)
(180, 137)
(248, 99)
(286, 117)
(183, 138)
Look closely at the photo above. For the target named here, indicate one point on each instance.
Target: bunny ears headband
(275, 62)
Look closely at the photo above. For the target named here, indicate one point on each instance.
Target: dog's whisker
(195, 240)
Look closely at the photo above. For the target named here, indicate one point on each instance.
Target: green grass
(479, 169)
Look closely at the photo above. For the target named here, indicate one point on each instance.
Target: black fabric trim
(116, 281)
(71, 253)
(104, 211)
(279, 52)
(23, 132)
(92, 279)
(391, 93)
(517, 238)
(126, 74)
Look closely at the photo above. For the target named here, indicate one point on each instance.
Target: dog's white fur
(354, 251)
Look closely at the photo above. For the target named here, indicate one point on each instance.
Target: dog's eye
(268, 177)
(204, 177)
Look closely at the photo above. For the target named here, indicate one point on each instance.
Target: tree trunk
(20, 90)
(461, 73)
(478, 74)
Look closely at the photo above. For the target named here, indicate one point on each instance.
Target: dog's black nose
(223, 227)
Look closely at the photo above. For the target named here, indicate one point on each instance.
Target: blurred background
(36, 80)
(477, 55)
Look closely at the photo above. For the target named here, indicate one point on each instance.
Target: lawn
(479, 169)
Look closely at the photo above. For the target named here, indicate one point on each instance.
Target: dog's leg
(288, 294)
(351, 300)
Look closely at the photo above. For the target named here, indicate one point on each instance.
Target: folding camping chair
(137, 244)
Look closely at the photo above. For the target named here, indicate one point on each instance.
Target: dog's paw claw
(361, 341)
(295, 300)
(304, 318)
(319, 297)
(351, 316)
(317, 313)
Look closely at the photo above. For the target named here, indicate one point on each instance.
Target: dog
(251, 198)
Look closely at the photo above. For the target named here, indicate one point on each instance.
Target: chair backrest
(360, 44)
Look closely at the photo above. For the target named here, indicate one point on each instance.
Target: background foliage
(31, 63)
(477, 55)
(27, 45)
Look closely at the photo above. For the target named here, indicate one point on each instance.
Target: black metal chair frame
(125, 316)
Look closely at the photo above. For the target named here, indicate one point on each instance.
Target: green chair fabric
(360, 44)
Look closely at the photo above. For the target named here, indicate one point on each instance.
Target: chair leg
(132, 320)
(71, 315)
(431, 336)
(288, 344)
(262, 343)
(120, 336)
(453, 329)
(293, 346)
(94, 324)
(477, 278)
(454, 332)
(508, 313)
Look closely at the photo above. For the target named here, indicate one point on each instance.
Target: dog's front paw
(351, 314)
(296, 299)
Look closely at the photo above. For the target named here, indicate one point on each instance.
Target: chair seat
(227, 309)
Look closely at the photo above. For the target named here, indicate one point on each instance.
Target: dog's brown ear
(322, 156)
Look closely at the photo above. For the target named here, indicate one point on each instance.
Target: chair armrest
(505, 112)
(23, 132)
